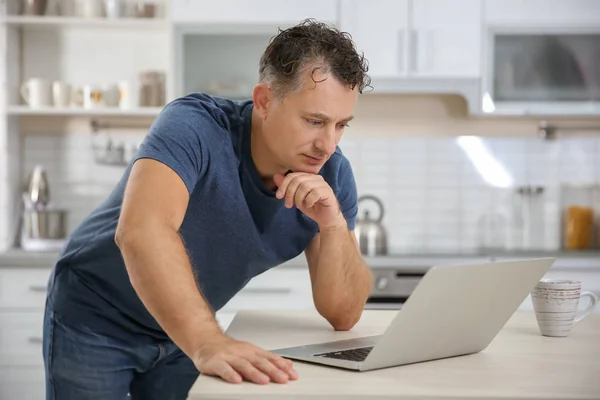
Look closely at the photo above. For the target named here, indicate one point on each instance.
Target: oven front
(392, 287)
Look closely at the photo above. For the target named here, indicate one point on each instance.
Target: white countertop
(518, 364)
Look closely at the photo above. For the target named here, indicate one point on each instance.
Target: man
(219, 192)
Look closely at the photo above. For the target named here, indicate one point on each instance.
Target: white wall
(434, 197)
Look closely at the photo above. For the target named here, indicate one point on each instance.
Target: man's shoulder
(212, 120)
(200, 106)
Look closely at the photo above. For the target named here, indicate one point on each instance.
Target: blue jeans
(83, 365)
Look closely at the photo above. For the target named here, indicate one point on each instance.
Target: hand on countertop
(234, 360)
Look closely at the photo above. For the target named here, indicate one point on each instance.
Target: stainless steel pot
(44, 224)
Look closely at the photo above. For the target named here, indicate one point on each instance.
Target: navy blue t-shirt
(233, 230)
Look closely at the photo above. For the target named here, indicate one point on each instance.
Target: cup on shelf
(88, 96)
(126, 95)
(113, 8)
(111, 95)
(37, 92)
(33, 7)
(61, 94)
(91, 8)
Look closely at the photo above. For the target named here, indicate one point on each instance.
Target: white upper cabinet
(379, 29)
(406, 38)
(252, 11)
(542, 12)
(445, 38)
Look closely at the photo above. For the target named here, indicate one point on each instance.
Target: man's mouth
(314, 160)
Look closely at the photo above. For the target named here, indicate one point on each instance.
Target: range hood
(468, 88)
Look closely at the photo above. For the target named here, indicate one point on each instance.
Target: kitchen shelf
(58, 21)
(73, 111)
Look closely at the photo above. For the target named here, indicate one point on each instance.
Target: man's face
(303, 129)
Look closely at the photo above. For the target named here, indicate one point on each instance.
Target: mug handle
(25, 91)
(589, 308)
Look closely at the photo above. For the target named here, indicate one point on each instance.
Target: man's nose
(327, 142)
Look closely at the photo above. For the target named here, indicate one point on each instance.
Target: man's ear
(262, 96)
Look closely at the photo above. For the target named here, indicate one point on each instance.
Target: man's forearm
(343, 280)
(160, 272)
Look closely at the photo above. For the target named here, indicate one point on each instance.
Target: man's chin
(308, 169)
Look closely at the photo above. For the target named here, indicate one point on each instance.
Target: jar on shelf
(579, 215)
(33, 7)
(152, 88)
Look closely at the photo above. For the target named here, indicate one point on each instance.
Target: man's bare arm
(153, 209)
(341, 280)
(154, 206)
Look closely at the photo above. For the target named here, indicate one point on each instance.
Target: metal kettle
(370, 233)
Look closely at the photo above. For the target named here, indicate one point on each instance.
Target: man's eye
(313, 122)
(345, 125)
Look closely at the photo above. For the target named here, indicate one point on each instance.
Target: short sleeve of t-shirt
(347, 194)
(180, 138)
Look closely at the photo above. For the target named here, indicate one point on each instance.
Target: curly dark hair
(311, 44)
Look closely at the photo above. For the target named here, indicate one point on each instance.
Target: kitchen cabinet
(537, 58)
(408, 38)
(22, 301)
(22, 383)
(379, 28)
(276, 289)
(542, 12)
(445, 38)
(255, 11)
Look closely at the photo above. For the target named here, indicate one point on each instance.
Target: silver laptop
(455, 310)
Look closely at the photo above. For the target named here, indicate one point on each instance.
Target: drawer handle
(267, 290)
(37, 288)
(36, 340)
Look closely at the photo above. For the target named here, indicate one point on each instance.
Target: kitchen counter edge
(589, 261)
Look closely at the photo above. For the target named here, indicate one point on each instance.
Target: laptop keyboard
(358, 354)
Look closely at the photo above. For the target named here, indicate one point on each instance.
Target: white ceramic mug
(61, 94)
(126, 95)
(556, 302)
(114, 8)
(91, 8)
(37, 92)
(111, 95)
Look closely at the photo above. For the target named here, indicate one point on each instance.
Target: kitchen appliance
(541, 70)
(393, 285)
(43, 226)
(370, 233)
(430, 326)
